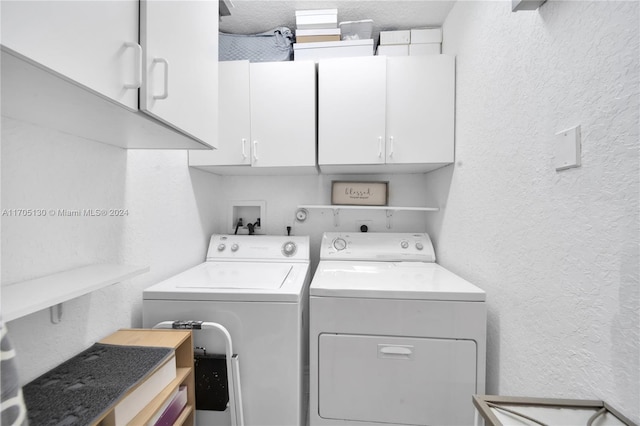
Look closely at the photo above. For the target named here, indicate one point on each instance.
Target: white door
(180, 78)
(94, 43)
(397, 380)
(283, 114)
(234, 118)
(420, 109)
(351, 110)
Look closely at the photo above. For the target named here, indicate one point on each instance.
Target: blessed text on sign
(359, 193)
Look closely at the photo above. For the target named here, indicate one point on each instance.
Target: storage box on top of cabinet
(316, 18)
(332, 49)
(422, 49)
(393, 50)
(395, 37)
(426, 35)
(386, 114)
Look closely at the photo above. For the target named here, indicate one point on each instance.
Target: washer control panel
(393, 247)
(257, 247)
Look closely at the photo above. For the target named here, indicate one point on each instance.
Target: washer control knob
(339, 244)
(404, 244)
(289, 248)
(235, 247)
(221, 247)
(419, 246)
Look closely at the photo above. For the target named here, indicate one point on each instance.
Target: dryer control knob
(339, 244)
(289, 248)
(419, 246)
(404, 244)
(221, 247)
(235, 247)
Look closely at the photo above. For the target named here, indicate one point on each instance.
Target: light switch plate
(568, 148)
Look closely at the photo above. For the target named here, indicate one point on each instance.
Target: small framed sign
(359, 193)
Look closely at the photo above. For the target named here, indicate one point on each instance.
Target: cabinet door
(420, 109)
(180, 78)
(283, 114)
(94, 43)
(234, 138)
(351, 111)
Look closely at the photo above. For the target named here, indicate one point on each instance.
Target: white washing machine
(257, 288)
(394, 337)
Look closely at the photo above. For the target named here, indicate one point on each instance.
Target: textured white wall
(171, 215)
(557, 252)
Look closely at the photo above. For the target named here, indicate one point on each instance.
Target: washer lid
(392, 280)
(234, 281)
(228, 275)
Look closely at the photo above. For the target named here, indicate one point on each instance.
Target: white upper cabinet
(420, 109)
(94, 43)
(180, 65)
(234, 116)
(382, 114)
(351, 110)
(283, 114)
(79, 67)
(267, 114)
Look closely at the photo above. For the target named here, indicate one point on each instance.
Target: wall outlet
(568, 150)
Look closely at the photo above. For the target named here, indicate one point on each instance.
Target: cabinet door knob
(165, 93)
(138, 66)
(390, 146)
(255, 150)
(380, 146)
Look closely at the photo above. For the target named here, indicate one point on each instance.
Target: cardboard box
(393, 50)
(422, 49)
(332, 49)
(316, 38)
(395, 37)
(426, 35)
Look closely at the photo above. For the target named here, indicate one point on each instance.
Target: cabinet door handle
(138, 71)
(379, 146)
(390, 146)
(255, 150)
(244, 153)
(165, 92)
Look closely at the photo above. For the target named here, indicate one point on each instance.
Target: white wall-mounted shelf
(26, 297)
(352, 207)
(388, 209)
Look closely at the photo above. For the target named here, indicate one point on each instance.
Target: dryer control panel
(371, 246)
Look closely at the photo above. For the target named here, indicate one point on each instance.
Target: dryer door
(412, 381)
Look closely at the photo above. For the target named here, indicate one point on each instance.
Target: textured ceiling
(251, 16)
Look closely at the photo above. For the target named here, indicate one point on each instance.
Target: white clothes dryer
(257, 288)
(394, 337)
